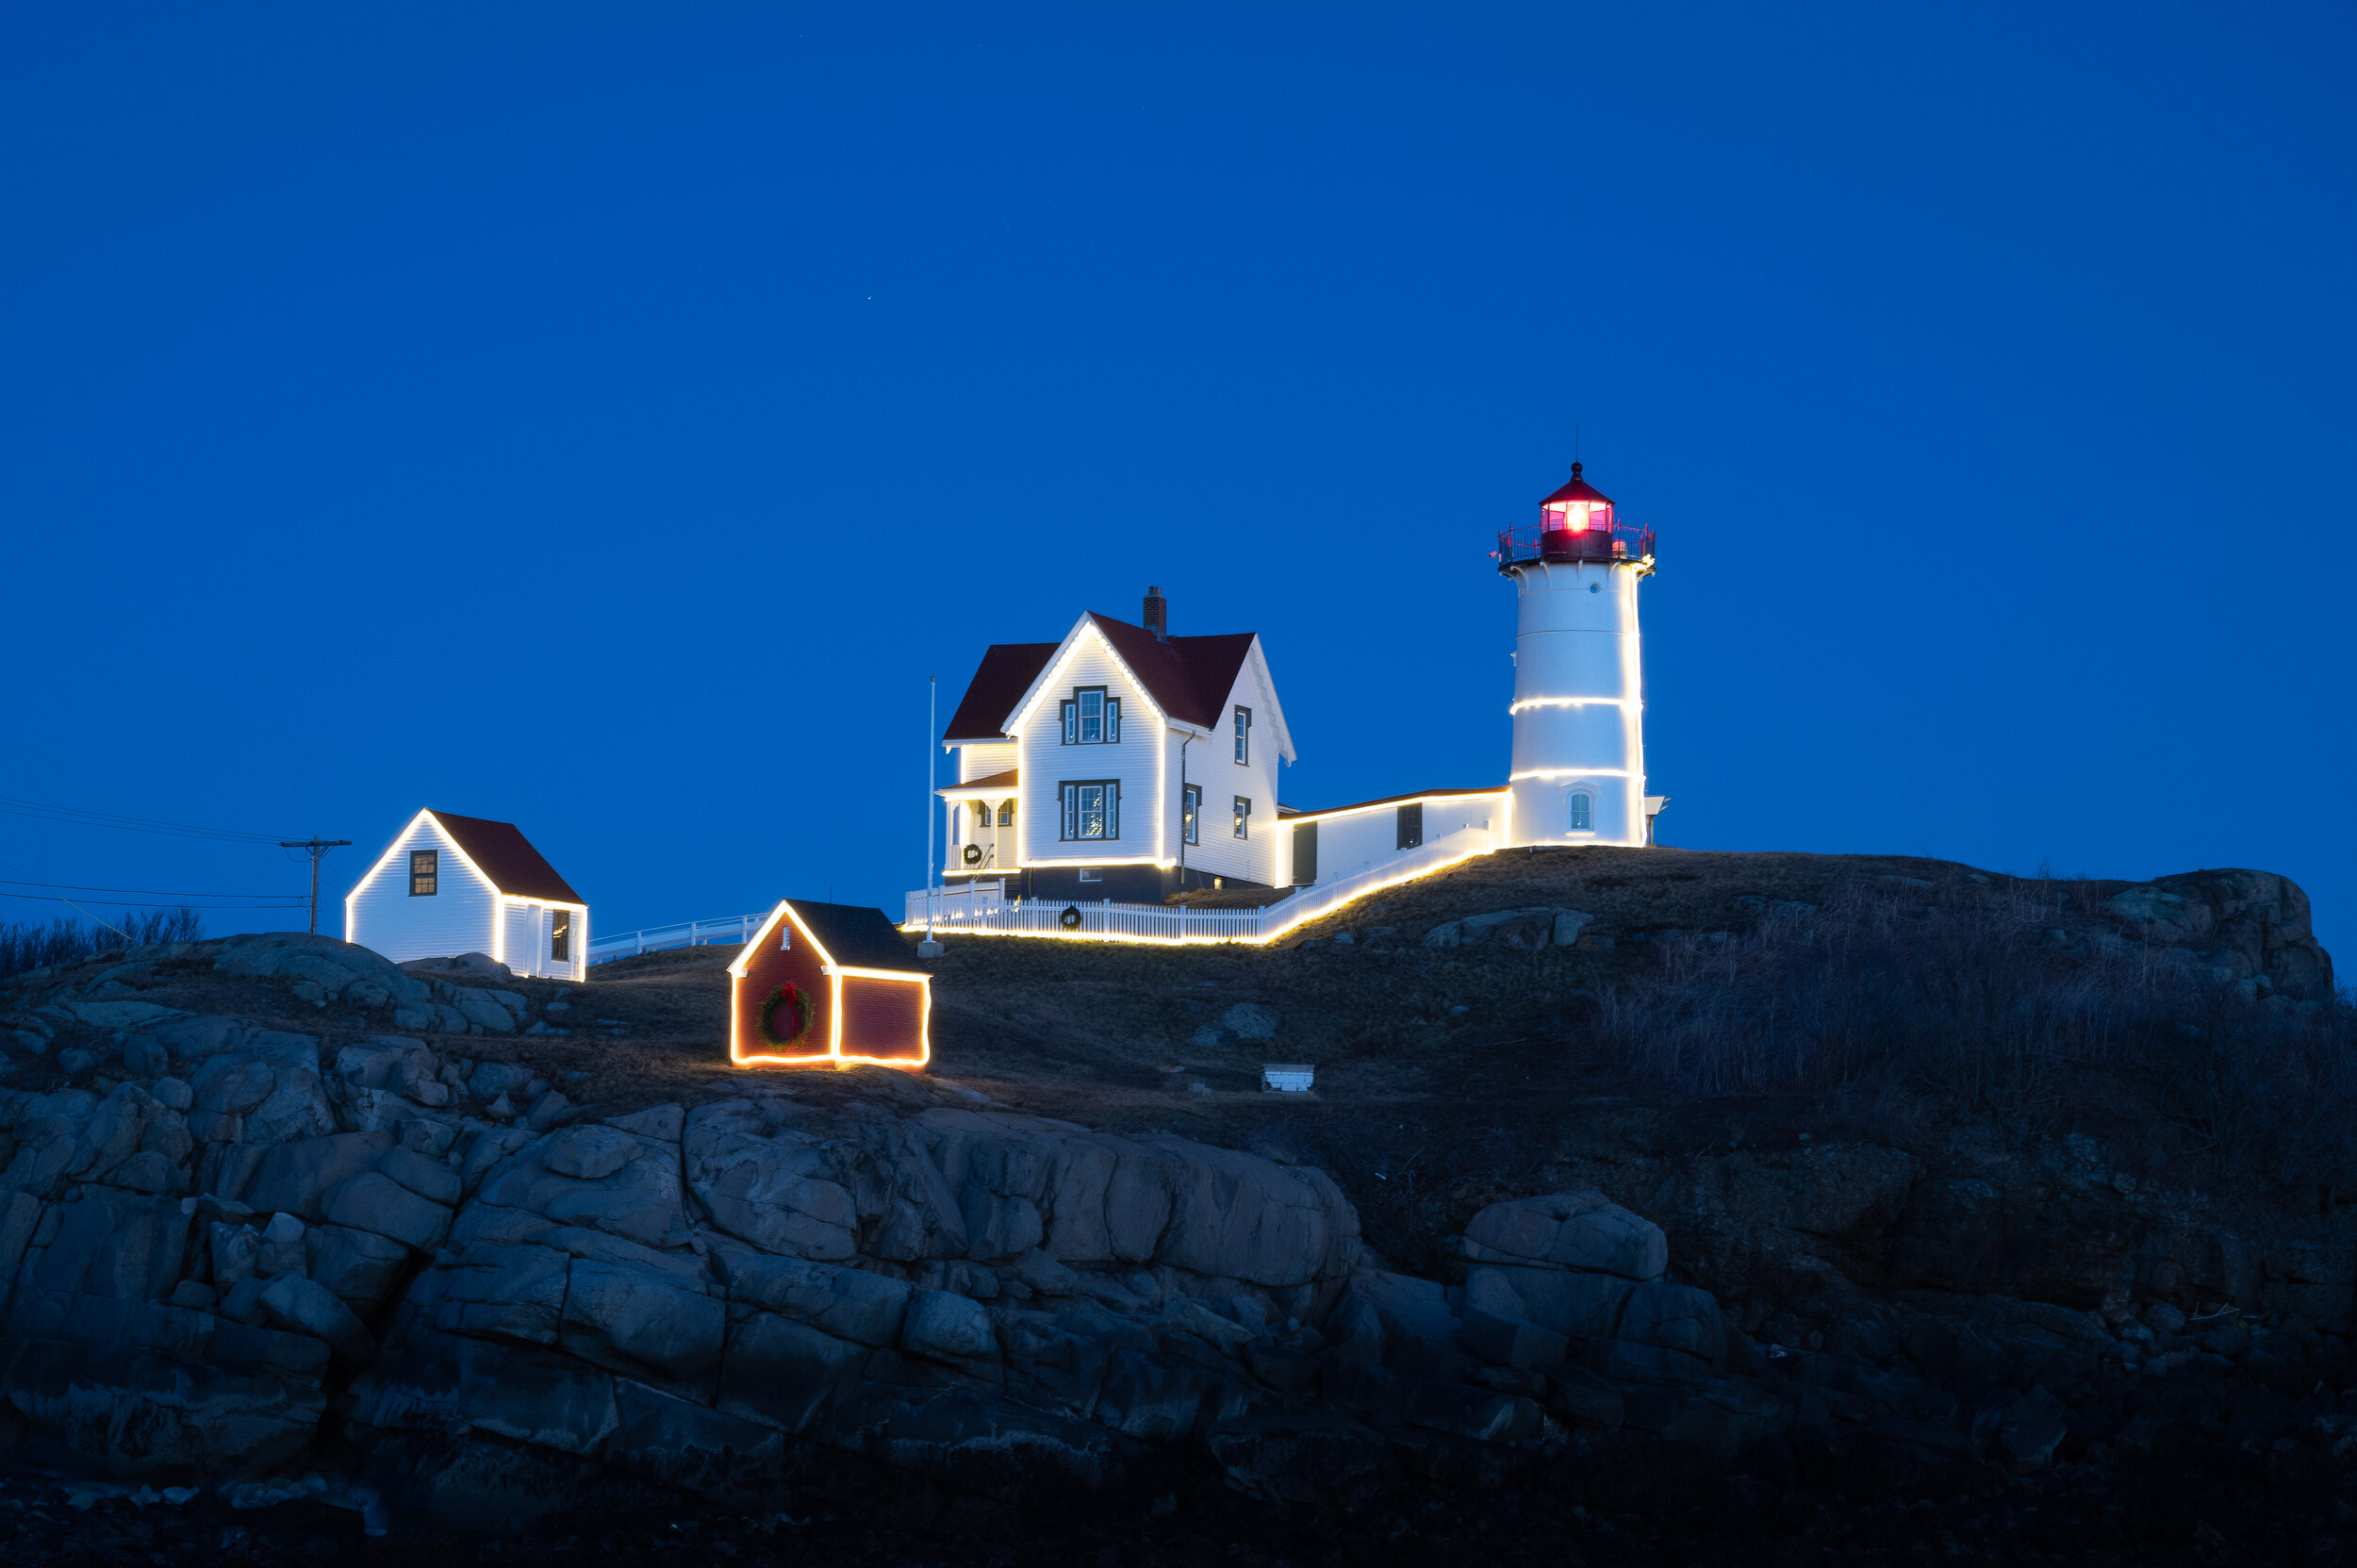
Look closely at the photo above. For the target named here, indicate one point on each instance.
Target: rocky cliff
(280, 1218)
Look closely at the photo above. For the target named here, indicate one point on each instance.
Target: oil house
(828, 984)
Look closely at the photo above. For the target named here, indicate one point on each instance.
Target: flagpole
(932, 712)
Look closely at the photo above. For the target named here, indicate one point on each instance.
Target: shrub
(2007, 1004)
(28, 946)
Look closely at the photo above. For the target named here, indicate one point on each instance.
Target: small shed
(828, 983)
(449, 885)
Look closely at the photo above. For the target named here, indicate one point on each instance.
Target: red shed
(828, 983)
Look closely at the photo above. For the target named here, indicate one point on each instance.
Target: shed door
(1305, 854)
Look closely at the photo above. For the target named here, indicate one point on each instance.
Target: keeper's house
(828, 984)
(449, 885)
(1121, 763)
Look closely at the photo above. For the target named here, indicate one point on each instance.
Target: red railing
(1618, 542)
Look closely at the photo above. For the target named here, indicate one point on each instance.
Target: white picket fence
(737, 930)
(979, 911)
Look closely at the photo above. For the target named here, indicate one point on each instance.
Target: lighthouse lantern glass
(1575, 517)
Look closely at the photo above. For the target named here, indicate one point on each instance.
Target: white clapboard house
(1121, 763)
(449, 885)
(1122, 766)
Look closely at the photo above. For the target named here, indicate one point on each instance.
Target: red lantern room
(1575, 522)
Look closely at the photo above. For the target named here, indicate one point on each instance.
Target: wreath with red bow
(785, 1016)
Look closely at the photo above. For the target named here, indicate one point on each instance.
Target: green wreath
(785, 1016)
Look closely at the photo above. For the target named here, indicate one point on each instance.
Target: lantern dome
(1576, 507)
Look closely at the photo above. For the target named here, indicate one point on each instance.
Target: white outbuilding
(449, 885)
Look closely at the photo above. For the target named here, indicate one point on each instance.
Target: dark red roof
(858, 938)
(988, 780)
(503, 853)
(1188, 677)
(1576, 489)
(1007, 672)
(1289, 813)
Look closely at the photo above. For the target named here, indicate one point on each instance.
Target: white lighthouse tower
(1578, 774)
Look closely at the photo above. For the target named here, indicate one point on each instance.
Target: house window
(560, 935)
(1092, 718)
(1006, 814)
(1089, 873)
(422, 872)
(981, 815)
(785, 936)
(1191, 814)
(1244, 818)
(1244, 739)
(1092, 809)
(1583, 813)
(1411, 832)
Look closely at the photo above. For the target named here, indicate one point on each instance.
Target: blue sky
(606, 419)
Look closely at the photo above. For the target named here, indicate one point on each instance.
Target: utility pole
(318, 849)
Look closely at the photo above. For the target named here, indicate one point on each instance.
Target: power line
(81, 817)
(151, 892)
(136, 904)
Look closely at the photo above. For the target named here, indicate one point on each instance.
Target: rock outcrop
(2252, 926)
(200, 1266)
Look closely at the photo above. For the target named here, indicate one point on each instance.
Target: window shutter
(1113, 718)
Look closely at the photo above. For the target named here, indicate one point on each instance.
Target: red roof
(1289, 813)
(1189, 678)
(503, 853)
(1007, 672)
(990, 781)
(1576, 489)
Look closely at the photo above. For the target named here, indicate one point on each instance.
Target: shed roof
(501, 853)
(857, 935)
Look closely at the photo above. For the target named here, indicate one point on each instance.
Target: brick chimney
(1157, 614)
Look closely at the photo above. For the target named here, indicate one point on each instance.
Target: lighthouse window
(1582, 814)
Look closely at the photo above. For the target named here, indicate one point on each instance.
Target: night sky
(606, 419)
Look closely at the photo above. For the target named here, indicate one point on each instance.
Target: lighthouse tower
(1578, 774)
